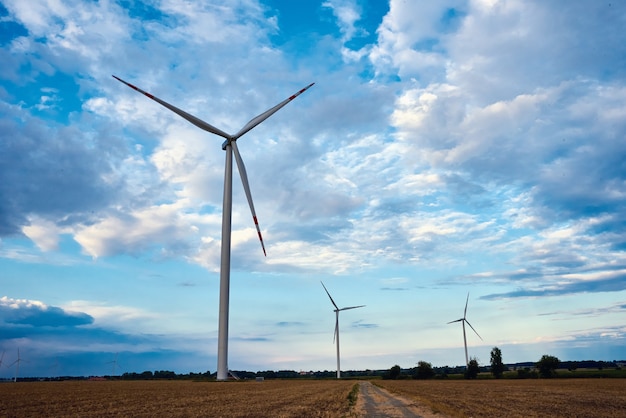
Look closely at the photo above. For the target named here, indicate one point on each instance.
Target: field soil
(515, 398)
(317, 398)
(271, 398)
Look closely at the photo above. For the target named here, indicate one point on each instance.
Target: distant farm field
(271, 398)
(516, 397)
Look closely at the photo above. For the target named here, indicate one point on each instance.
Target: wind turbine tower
(336, 335)
(230, 146)
(464, 321)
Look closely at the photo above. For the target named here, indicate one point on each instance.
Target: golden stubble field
(516, 398)
(271, 398)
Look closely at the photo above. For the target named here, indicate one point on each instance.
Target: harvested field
(271, 398)
(311, 398)
(516, 398)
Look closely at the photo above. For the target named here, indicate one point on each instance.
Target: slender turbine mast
(464, 321)
(230, 146)
(336, 335)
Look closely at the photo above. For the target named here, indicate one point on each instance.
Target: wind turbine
(336, 335)
(17, 364)
(2, 358)
(230, 146)
(464, 321)
(55, 368)
(114, 362)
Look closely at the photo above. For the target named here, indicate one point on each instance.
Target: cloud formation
(445, 145)
(37, 314)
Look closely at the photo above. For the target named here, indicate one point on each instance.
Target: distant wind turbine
(55, 368)
(2, 358)
(464, 321)
(230, 146)
(114, 364)
(336, 335)
(17, 364)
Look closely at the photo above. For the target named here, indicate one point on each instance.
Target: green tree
(393, 373)
(547, 365)
(497, 367)
(472, 369)
(424, 370)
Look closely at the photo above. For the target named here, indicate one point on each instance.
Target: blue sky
(447, 147)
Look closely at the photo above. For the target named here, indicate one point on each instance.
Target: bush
(547, 366)
(472, 369)
(424, 370)
(393, 373)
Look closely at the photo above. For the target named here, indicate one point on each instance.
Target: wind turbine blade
(458, 320)
(260, 118)
(336, 329)
(466, 301)
(198, 122)
(473, 329)
(246, 187)
(351, 307)
(331, 298)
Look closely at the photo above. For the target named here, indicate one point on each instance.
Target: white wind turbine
(464, 321)
(336, 335)
(17, 364)
(230, 146)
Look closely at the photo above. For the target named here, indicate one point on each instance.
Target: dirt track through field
(375, 402)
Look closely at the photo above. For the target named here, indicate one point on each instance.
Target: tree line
(546, 367)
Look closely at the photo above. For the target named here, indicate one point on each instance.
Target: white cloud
(38, 14)
(347, 13)
(16, 304)
(44, 233)
(412, 39)
(163, 227)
